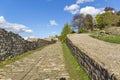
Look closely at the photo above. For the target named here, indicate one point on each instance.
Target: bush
(82, 30)
(118, 23)
(66, 30)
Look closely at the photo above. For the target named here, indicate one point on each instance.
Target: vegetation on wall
(75, 71)
(15, 58)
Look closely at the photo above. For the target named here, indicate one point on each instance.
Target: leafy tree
(66, 30)
(101, 23)
(89, 22)
(106, 19)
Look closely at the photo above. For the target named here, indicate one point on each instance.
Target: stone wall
(93, 69)
(12, 44)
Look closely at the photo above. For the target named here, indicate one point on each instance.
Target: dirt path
(47, 64)
(106, 54)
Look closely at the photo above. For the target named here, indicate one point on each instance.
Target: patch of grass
(107, 38)
(11, 60)
(75, 71)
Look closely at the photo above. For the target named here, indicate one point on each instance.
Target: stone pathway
(47, 64)
(105, 53)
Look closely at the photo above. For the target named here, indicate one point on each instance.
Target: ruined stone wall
(93, 69)
(12, 44)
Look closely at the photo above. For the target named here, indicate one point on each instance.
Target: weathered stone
(46, 64)
(12, 44)
(99, 59)
(114, 30)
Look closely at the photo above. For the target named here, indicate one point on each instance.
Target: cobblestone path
(47, 64)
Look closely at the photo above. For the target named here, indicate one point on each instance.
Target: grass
(75, 71)
(107, 38)
(11, 60)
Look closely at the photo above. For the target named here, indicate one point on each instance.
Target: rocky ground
(47, 64)
(104, 53)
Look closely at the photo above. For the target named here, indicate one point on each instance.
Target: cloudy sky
(42, 18)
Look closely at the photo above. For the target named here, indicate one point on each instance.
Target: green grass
(11, 60)
(107, 38)
(75, 71)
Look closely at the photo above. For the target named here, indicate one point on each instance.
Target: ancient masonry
(97, 65)
(12, 44)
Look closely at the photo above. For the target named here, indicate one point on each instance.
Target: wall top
(104, 53)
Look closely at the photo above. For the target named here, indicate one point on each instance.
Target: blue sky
(42, 18)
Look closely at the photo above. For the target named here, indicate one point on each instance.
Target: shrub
(82, 30)
(66, 30)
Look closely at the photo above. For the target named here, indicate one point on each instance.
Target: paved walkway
(47, 64)
(105, 53)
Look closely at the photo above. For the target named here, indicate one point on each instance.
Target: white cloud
(83, 1)
(28, 31)
(53, 23)
(90, 10)
(74, 8)
(16, 28)
(2, 19)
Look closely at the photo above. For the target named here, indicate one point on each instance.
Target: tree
(88, 22)
(109, 9)
(66, 30)
(106, 19)
(83, 21)
(78, 21)
(100, 21)
(118, 23)
(118, 13)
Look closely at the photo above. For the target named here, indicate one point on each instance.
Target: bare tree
(88, 22)
(78, 21)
